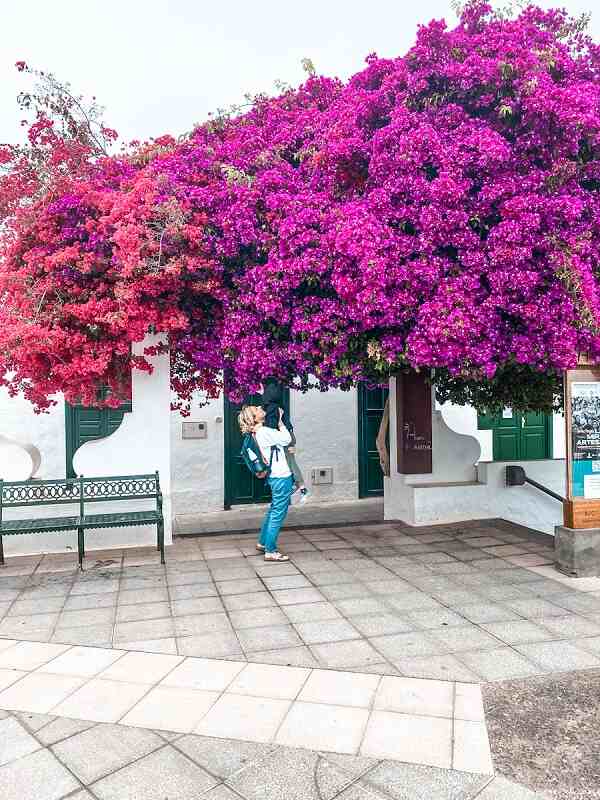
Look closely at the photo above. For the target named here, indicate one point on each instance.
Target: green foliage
(516, 386)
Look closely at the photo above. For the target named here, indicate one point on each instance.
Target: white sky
(159, 67)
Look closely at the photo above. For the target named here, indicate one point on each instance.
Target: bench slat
(39, 525)
(116, 519)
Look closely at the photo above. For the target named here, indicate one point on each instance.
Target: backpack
(253, 458)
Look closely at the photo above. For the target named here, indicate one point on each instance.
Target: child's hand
(291, 449)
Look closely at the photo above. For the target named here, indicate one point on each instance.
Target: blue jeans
(281, 492)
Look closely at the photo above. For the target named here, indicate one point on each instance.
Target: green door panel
(487, 422)
(534, 436)
(371, 403)
(506, 444)
(114, 418)
(533, 445)
(241, 487)
(535, 418)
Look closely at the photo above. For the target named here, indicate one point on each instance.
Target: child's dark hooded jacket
(272, 401)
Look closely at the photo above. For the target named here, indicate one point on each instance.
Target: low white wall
(437, 504)
(457, 490)
(489, 498)
(527, 505)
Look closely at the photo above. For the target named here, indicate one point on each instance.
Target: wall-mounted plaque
(413, 421)
(194, 430)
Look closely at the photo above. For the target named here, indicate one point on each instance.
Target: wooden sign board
(413, 423)
(582, 420)
(582, 513)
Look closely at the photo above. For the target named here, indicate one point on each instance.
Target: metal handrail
(516, 476)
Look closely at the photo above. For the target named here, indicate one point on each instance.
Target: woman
(272, 443)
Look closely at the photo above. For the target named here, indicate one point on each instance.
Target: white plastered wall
(46, 431)
(197, 465)
(326, 427)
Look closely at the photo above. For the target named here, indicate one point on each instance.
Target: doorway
(371, 403)
(241, 487)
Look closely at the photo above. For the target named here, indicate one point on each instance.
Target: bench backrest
(78, 490)
(39, 493)
(120, 487)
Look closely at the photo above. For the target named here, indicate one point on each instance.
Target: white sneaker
(304, 496)
(296, 497)
(276, 556)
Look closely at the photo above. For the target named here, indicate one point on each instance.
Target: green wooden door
(536, 433)
(83, 423)
(241, 487)
(371, 403)
(519, 437)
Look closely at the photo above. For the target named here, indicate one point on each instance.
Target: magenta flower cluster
(440, 210)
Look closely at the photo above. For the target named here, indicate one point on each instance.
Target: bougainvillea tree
(439, 210)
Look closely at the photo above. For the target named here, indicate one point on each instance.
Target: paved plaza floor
(471, 602)
(352, 671)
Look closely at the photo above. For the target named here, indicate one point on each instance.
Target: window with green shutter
(84, 423)
(518, 437)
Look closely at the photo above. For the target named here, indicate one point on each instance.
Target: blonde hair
(247, 419)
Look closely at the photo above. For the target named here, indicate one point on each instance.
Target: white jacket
(268, 438)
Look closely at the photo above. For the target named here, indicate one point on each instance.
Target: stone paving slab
(116, 762)
(439, 723)
(423, 602)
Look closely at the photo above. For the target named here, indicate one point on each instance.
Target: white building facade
(202, 476)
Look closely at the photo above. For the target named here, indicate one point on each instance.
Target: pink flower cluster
(441, 209)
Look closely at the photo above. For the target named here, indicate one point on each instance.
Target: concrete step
(243, 518)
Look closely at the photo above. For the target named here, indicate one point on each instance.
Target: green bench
(82, 491)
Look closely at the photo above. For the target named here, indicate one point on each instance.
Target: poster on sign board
(585, 439)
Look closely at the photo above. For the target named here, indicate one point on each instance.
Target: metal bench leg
(80, 547)
(161, 541)
(1, 550)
